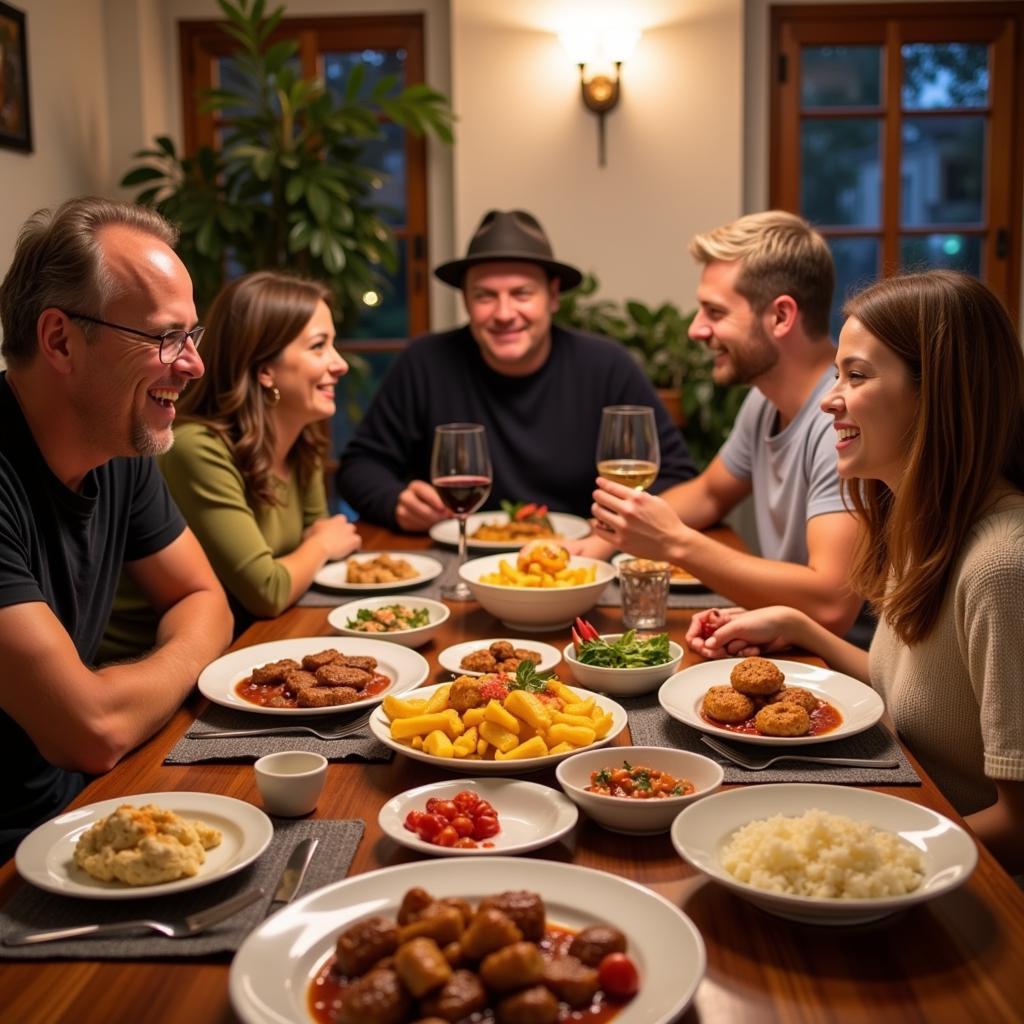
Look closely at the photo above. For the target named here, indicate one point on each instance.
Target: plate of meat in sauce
(752, 700)
(288, 968)
(349, 674)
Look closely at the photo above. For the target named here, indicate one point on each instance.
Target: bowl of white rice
(824, 854)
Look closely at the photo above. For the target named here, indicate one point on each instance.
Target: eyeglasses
(171, 342)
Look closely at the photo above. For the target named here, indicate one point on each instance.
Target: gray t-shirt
(792, 473)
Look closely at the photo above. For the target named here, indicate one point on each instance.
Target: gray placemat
(651, 726)
(360, 746)
(320, 597)
(34, 908)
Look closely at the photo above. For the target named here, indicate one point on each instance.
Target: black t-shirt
(66, 549)
(542, 429)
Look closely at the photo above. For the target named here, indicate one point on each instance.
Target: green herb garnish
(529, 679)
(626, 652)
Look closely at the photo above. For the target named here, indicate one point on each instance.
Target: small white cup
(290, 781)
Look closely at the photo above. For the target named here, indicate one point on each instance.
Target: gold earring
(273, 395)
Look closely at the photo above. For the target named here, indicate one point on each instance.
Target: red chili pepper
(586, 630)
(525, 511)
(576, 641)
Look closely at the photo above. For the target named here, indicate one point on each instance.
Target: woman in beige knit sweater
(929, 415)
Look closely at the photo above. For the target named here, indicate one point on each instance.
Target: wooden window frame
(1001, 26)
(201, 42)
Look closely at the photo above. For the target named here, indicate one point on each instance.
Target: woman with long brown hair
(250, 439)
(929, 416)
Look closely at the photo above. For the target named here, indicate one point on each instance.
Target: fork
(757, 764)
(191, 925)
(356, 725)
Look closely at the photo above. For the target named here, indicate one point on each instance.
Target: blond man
(764, 299)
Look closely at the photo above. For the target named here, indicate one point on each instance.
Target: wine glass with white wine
(627, 447)
(460, 470)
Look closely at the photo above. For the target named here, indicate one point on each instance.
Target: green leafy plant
(289, 187)
(658, 338)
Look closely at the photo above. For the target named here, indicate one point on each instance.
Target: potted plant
(678, 367)
(289, 188)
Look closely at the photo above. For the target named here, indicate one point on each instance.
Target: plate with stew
(288, 968)
(837, 705)
(269, 678)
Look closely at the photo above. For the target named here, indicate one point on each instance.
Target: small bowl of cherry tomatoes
(477, 816)
(637, 790)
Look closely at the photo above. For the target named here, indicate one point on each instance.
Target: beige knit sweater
(958, 697)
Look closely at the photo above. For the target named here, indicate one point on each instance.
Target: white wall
(70, 120)
(674, 159)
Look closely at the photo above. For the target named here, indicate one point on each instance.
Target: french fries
(536, 575)
(518, 727)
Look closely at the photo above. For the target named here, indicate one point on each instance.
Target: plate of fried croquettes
(770, 702)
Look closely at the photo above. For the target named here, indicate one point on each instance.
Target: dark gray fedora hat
(505, 235)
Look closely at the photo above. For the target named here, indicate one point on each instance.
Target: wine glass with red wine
(460, 470)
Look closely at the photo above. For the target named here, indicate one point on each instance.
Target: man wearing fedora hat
(537, 387)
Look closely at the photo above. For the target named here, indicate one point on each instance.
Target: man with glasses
(99, 337)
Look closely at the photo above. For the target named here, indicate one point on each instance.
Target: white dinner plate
(674, 582)
(404, 667)
(681, 696)
(451, 657)
(381, 728)
(45, 856)
(270, 974)
(334, 575)
(529, 815)
(703, 829)
(447, 530)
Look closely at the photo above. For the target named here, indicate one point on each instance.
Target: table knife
(294, 872)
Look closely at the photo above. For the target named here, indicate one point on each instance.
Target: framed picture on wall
(15, 117)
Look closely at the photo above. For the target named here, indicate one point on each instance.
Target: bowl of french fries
(542, 588)
(498, 723)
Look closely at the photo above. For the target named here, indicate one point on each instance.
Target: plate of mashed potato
(833, 855)
(146, 844)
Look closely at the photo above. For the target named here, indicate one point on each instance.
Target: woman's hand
(634, 521)
(336, 535)
(738, 633)
(419, 507)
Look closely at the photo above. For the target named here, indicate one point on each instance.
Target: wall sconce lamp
(604, 48)
(601, 95)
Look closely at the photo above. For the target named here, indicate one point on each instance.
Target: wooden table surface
(957, 958)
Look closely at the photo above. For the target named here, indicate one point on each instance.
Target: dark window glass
(937, 76)
(389, 317)
(840, 76)
(951, 252)
(856, 261)
(942, 170)
(377, 64)
(841, 174)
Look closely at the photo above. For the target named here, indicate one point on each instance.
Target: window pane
(942, 170)
(950, 252)
(230, 76)
(387, 155)
(390, 318)
(856, 261)
(840, 171)
(377, 64)
(840, 76)
(939, 75)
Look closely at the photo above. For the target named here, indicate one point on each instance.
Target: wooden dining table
(956, 958)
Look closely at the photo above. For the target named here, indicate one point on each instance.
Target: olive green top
(242, 542)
